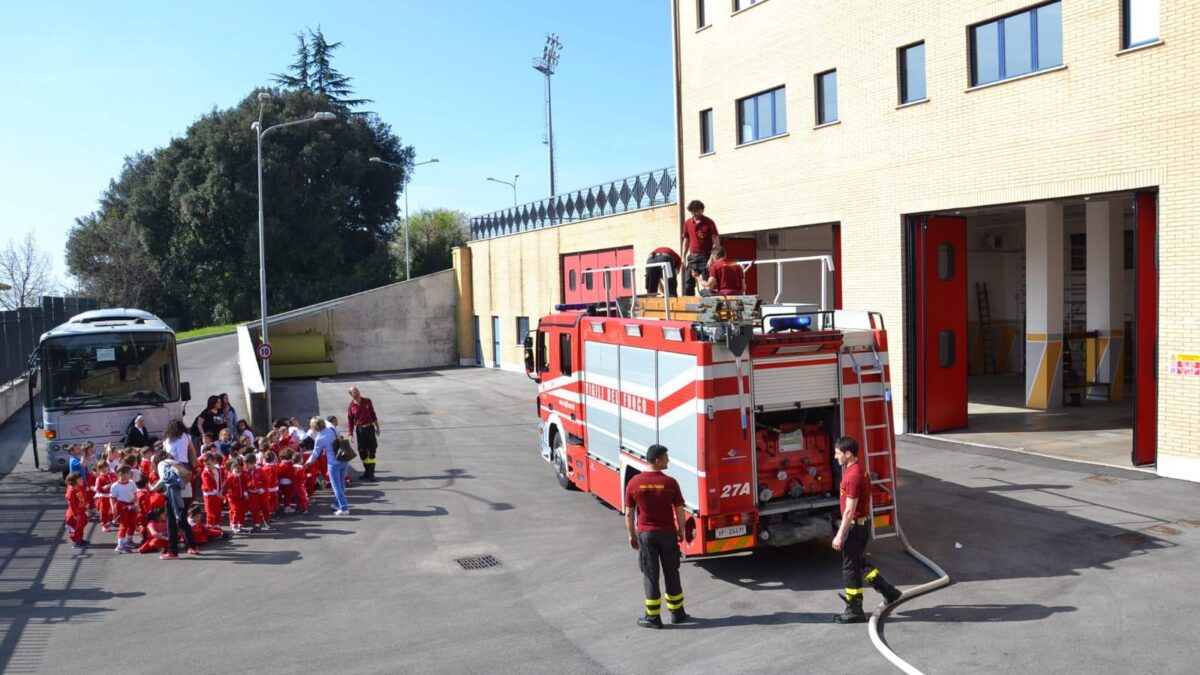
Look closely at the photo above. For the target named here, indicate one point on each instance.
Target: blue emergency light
(782, 323)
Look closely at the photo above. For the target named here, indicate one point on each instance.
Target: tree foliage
(313, 71)
(187, 214)
(432, 235)
(28, 273)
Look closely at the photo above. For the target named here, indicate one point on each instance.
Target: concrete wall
(410, 324)
(253, 390)
(13, 397)
(518, 275)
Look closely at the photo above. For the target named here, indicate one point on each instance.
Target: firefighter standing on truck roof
(851, 539)
(699, 236)
(660, 519)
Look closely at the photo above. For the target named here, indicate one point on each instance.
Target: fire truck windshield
(105, 370)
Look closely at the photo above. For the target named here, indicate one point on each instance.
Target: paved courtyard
(1056, 566)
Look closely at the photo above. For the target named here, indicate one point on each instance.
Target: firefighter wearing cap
(659, 529)
(854, 499)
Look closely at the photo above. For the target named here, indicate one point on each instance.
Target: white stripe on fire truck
(674, 462)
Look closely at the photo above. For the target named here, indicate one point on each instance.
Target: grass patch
(207, 330)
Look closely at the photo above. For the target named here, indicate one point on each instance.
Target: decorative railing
(653, 188)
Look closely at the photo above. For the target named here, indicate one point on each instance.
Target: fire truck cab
(747, 398)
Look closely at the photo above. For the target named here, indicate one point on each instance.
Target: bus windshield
(109, 369)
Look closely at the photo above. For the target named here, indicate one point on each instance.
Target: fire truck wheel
(559, 457)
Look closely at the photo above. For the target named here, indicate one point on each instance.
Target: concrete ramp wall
(410, 324)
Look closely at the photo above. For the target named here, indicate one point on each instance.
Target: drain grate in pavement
(478, 562)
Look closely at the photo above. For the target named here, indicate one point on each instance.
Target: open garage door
(939, 246)
(1145, 357)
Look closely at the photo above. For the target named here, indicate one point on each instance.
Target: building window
(701, 19)
(762, 116)
(706, 131)
(827, 104)
(1139, 21)
(912, 73)
(1017, 44)
(743, 4)
(522, 329)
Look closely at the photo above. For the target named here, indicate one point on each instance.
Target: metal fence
(653, 188)
(20, 330)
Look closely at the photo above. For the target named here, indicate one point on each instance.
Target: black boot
(369, 472)
(889, 592)
(650, 622)
(680, 616)
(853, 612)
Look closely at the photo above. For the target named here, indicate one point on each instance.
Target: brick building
(1009, 183)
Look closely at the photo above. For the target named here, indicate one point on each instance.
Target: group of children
(249, 480)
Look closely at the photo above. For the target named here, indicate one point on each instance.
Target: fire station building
(1012, 184)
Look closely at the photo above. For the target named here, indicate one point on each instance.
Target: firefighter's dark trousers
(699, 263)
(367, 445)
(660, 550)
(854, 560)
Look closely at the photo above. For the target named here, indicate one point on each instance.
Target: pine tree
(300, 69)
(325, 79)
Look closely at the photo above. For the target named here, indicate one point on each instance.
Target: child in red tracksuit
(77, 507)
(202, 532)
(156, 532)
(284, 473)
(300, 482)
(147, 464)
(236, 494)
(104, 478)
(124, 498)
(211, 488)
(258, 494)
(270, 480)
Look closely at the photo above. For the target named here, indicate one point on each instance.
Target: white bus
(100, 370)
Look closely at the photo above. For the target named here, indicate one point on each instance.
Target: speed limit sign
(265, 351)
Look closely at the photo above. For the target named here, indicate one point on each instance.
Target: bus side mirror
(185, 391)
(531, 370)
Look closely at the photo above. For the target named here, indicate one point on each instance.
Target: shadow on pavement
(1000, 538)
(776, 619)
(979, 613)
(407, 513)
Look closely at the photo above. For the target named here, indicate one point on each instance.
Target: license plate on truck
(734, 531)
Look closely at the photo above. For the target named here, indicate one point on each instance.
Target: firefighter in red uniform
(851, 539)
(361, 418)
(659, 529)
(699, 236)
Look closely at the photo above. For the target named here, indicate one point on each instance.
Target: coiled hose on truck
(879, 615)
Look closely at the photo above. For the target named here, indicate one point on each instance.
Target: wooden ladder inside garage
(883, 516)
(985, 327)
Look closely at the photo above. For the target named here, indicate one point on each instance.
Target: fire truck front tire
(558, 456)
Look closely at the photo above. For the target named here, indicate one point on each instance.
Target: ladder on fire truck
(862, 369)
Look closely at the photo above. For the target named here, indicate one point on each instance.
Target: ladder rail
(876, 367)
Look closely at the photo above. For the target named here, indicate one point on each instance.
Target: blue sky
(90, 83)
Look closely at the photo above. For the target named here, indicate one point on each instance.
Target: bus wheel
(559, 457)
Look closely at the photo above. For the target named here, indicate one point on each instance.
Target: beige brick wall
(1104, 122)
(519, 274)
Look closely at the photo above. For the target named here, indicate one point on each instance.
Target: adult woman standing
(210, 421)
(177, 443)
(228, 413)
(173, 480)
(326, 444)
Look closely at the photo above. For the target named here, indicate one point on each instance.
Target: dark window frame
(707, 137)
(1001, 56)
(819, 87)
(701, 18)
(777, 128)
(522, 321)
(1126, 9)
(739, 5)
(903, 75)
(564, 353)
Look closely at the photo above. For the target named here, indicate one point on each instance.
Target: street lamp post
(513, 185)
(260, 132)
(407, 217)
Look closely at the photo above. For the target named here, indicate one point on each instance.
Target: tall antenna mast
(545, 65)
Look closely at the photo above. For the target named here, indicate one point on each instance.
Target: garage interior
(1089, 415)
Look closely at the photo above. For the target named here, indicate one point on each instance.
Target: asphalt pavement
(1057, 567)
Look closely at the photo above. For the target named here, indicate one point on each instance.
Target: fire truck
(747, 398)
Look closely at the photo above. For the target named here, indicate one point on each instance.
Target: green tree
(193, 206)
(432, 236)
(313, 71)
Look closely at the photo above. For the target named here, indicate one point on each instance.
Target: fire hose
(882, 612)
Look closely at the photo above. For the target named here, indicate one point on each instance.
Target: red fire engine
(748, 408)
